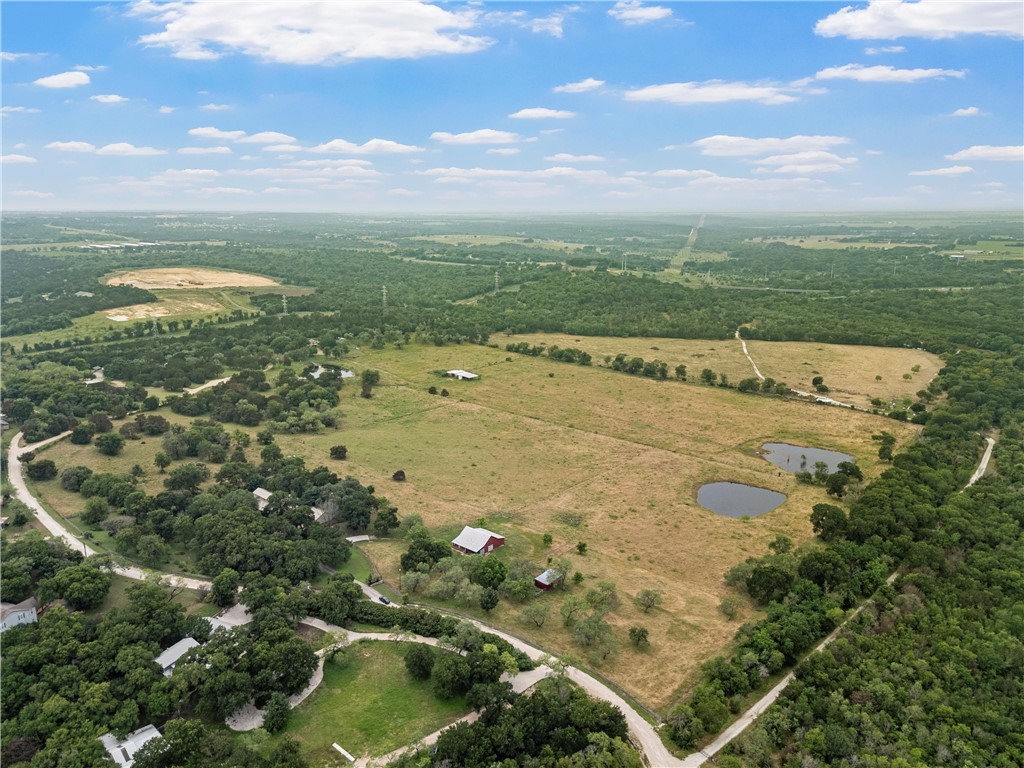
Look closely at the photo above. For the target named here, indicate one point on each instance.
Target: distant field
(586, 454)
(188, 277)
(173, 305)
(833, 241)
(849, 371)
(103, 238)
(992, 250)
(471, 240)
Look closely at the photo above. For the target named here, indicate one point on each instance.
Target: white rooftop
(123, 752)
(170, 657)
(458, 373)
(474, 539)
(262, 493)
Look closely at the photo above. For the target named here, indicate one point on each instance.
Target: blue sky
(528, 106)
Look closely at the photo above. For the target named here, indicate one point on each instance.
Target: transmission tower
(497, 282)
(384, 299)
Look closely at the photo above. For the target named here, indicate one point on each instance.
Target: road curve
(55, 527)
(983, 465)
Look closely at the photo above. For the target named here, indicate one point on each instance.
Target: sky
(403, 105)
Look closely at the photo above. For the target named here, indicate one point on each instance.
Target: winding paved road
(55, 527)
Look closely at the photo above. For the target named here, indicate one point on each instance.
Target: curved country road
(54, 526)
(642, 732)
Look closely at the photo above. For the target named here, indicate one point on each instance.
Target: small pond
(737, 499)
(799, 458)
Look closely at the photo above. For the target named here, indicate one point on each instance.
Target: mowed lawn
(369, 705)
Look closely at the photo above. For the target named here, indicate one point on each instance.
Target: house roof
(24, 605)
(175, 652)
(461, 374)
(262, 493)
(549, 577)
(474, 539)
(123, 751)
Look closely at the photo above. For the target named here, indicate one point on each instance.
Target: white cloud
(209, 132)
(284, 190)
(267, 137)
(965, 112)
(482, 136)
(986, 152)
(734, 184)
(184, 176)
(71, 146)
(204, 151)
(402, 192)
(884, 73)
(87, 68)
(109, 98)
(741, 146)
(166, 110)
(23, 110)
(885, 49)
(953, 170)
(635, 12)
(311, 32)
(930, 19)
(682, 173)
(124, 149)
(64, 80)
(711, 92)
(807, 162)
(216, 107)
(225, 191)
(16, 159)
(281, 147)
(30, 193)
(588, 84)
(565, 157)
(323, 162)
(503, 151)
(552, 25)
(9, 56)
(542, 113)
(373, 146)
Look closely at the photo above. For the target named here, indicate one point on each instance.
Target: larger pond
(738, 500)
(799, 458)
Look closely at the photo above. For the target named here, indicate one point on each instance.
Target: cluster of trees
(48, 398)
(557, 725)
(563, 354)
(45, 289)
(895, 520)
(299, 405)
(835, 483)
(221, 524)
(637, 366)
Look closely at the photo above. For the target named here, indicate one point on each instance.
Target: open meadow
(586, 454)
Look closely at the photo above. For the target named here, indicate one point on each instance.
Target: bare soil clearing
(187, 277)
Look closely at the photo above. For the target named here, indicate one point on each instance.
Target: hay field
(849, 370)
(834, 242)
(588, 455)
(171, 278)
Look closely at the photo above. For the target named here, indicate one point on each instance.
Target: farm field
(849, 371)
(188, 277)
(584, 453)
(485, 240)
(828, 241)
(992, 250)
(588, 455)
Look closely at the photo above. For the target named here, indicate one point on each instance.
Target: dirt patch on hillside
(168, 308)
(187, 277)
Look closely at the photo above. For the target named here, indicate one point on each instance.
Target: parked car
(384, 600)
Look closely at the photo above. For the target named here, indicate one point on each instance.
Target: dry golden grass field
(849, 371)
(187, 277)
(586, 454)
